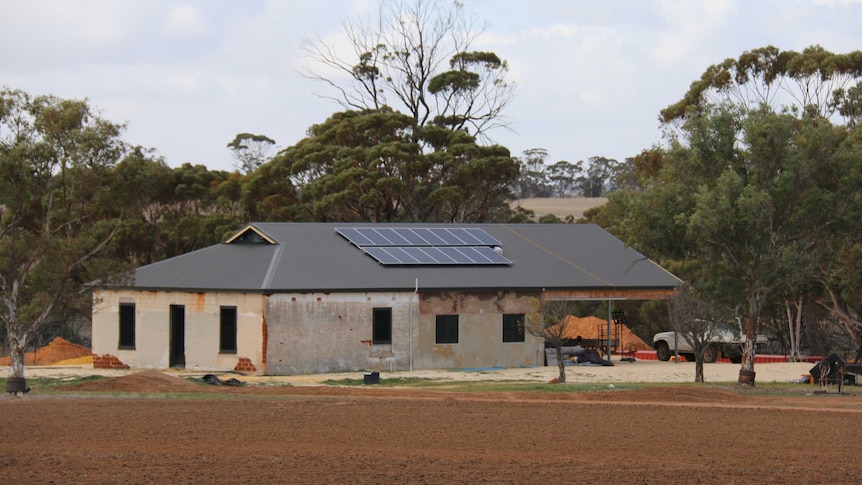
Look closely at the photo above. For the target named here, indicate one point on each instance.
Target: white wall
(152, 324)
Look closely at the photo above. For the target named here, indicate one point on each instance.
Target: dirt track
(377, 435)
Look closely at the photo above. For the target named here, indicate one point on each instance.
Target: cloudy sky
(592, 75)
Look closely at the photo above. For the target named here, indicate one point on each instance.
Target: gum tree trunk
(698, 367)
(17, 346)
(560, 365)
(746, 372)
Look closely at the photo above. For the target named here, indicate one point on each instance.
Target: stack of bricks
(108, 361)
(245, 365)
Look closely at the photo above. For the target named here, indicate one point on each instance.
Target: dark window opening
(447, 329)
(381, 331)
(513, 327)
(177, 341)
(127, 326)
(227, 330)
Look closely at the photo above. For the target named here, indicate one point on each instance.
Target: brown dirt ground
(284, 434)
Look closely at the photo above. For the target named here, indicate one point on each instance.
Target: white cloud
(184, 20)
(189, 74)
(832, 3)
(687, 26)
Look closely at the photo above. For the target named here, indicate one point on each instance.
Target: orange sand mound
(58, 350)
(76, 361)
(588, 328)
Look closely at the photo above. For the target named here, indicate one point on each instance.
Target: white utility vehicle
(724, 345)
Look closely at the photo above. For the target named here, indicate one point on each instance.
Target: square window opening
(513, 327)
(447, 329)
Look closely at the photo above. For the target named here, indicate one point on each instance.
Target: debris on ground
(215, 381)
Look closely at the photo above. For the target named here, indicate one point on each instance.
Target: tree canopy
(749, 202)
(415, 56)
(379, 166)
(814, 79)
(56, 217)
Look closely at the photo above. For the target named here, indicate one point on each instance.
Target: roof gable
(250, 235)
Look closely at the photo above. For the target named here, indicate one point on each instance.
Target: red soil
(371, 434)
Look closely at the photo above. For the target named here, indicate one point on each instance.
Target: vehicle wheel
(710, 354)
(736, 359)
(662, 351)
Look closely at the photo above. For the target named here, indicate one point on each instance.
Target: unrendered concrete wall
(152, 324)
(331, 332)
(480, 332)
(290, 334)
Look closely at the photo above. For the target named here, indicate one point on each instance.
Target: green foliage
(378, 166)
(56, 157)
(814, 80)
(750, 204)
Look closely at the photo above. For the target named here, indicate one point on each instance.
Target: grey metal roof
(313, 257)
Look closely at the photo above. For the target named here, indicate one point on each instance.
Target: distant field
(574, 206)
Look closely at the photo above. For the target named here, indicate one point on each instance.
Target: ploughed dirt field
(149, 427)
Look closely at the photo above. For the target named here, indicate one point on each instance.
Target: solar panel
(446, 255)
(429, 236)
(355, 236)
(483, 237)
(408, 236)
(381, 255)
(393, 236)
(425, 245)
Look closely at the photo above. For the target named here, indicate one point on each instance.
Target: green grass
(484, 386)
(50, 385)
(770, 388)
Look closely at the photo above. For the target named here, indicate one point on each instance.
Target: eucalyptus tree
(835, 152)
(379, 166)
(533, 175)
(251, 151)
(56, 215)
(417, 57)
(563, 175)
(597, 177)
(814, 80)
(755, 208)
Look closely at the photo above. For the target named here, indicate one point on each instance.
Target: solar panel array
(408, 236)
(426, 246)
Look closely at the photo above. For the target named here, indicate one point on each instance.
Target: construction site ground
(155, 427)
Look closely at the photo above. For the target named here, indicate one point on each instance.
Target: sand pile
(58, 350)
(589, 328)
(148, 381)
